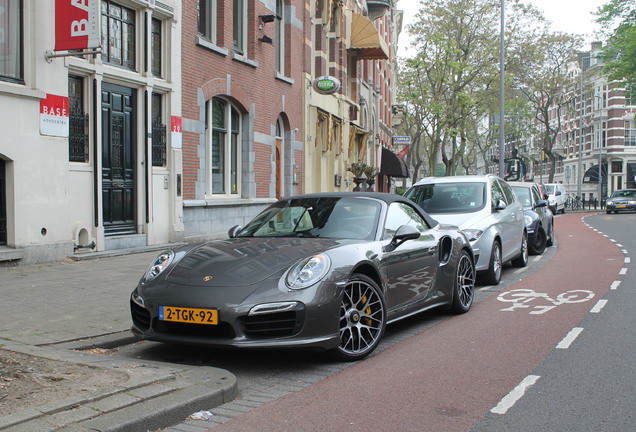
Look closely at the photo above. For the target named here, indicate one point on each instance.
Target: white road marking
(598, 306)
(615, 285)
(623, 271)
(569, 338)
(537, 258)
(628, 260)
(511, 398)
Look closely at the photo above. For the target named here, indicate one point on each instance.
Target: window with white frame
(11, 54)
(118, 34)
(630, 94)
(207, 20)
(239, 33)
(223, 124)
(156, 47)
(280, 37)
(630, 133)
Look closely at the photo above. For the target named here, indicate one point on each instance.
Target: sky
(570, 16)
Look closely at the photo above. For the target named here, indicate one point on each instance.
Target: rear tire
(522, 259)
(464, 288)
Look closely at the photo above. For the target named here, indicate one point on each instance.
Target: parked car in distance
(621, 200)
(543, 193)
(321, 271)
(556, 197)
(538, 217)
(486, 209)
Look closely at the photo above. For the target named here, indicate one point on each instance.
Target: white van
(556, 197)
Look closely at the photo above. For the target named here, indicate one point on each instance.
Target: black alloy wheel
(464, 294)
(362, 318)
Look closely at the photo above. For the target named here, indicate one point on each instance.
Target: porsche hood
(243, 261)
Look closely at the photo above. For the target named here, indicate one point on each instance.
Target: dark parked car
(621, 200)
(538, 217)
(326, 271)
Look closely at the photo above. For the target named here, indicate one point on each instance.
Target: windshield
(457, 197)
(343, 218)
(631, 193)
(549, 189)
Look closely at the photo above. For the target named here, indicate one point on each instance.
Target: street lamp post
(502, 131)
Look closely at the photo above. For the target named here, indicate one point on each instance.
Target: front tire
(492, 276)
(540, 242)
(464, 289)
(362, 318)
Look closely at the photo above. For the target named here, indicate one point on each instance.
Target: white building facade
(90, 156)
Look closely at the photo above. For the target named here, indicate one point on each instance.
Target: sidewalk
(56, 310)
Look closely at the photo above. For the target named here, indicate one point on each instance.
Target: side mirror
(558, 193)
(403, 233)
(501, 204)
(540, 203)
(232, 232)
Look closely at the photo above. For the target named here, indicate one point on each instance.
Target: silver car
(486, 209)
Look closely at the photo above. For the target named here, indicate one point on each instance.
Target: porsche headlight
(159, 265)
(473, 234)
(308, 271)
(528, 220)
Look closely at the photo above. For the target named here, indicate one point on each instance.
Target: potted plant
(364, 175)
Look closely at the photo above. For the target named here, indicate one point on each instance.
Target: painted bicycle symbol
(521, 299)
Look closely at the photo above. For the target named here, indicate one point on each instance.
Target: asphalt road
(588, 386)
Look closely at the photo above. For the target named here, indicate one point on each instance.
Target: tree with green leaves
(618, 20)
(545, 81)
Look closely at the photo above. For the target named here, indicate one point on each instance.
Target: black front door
(118, 159)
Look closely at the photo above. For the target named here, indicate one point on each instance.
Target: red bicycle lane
(451, 375)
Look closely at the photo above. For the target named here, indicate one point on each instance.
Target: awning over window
(591, 174)
(366, 39)
(391, 165)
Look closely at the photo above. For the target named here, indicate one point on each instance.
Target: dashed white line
(628, 260)
(511, 398)
(623, 271)
(598, 306)
(569, 338)
(615, 285)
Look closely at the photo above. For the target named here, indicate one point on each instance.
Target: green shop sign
(326, 84)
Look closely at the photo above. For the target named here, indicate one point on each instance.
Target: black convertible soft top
(388, 198)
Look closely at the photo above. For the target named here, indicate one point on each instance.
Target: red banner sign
(76, 24)
(54, 115)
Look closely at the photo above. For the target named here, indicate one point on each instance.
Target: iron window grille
(78, 122)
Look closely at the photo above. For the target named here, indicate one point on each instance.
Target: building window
(158, 132)
(78, 121)
(118, 35)
(630, 94)
(207, 19)
(240, 26)
(630, 133)
(156, 47)
(280, 37)
(11, 54)
(224, 139)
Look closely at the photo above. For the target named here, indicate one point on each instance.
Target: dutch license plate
(621, 206)
(189, 315)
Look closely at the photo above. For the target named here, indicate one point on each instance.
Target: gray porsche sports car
(327, 271)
